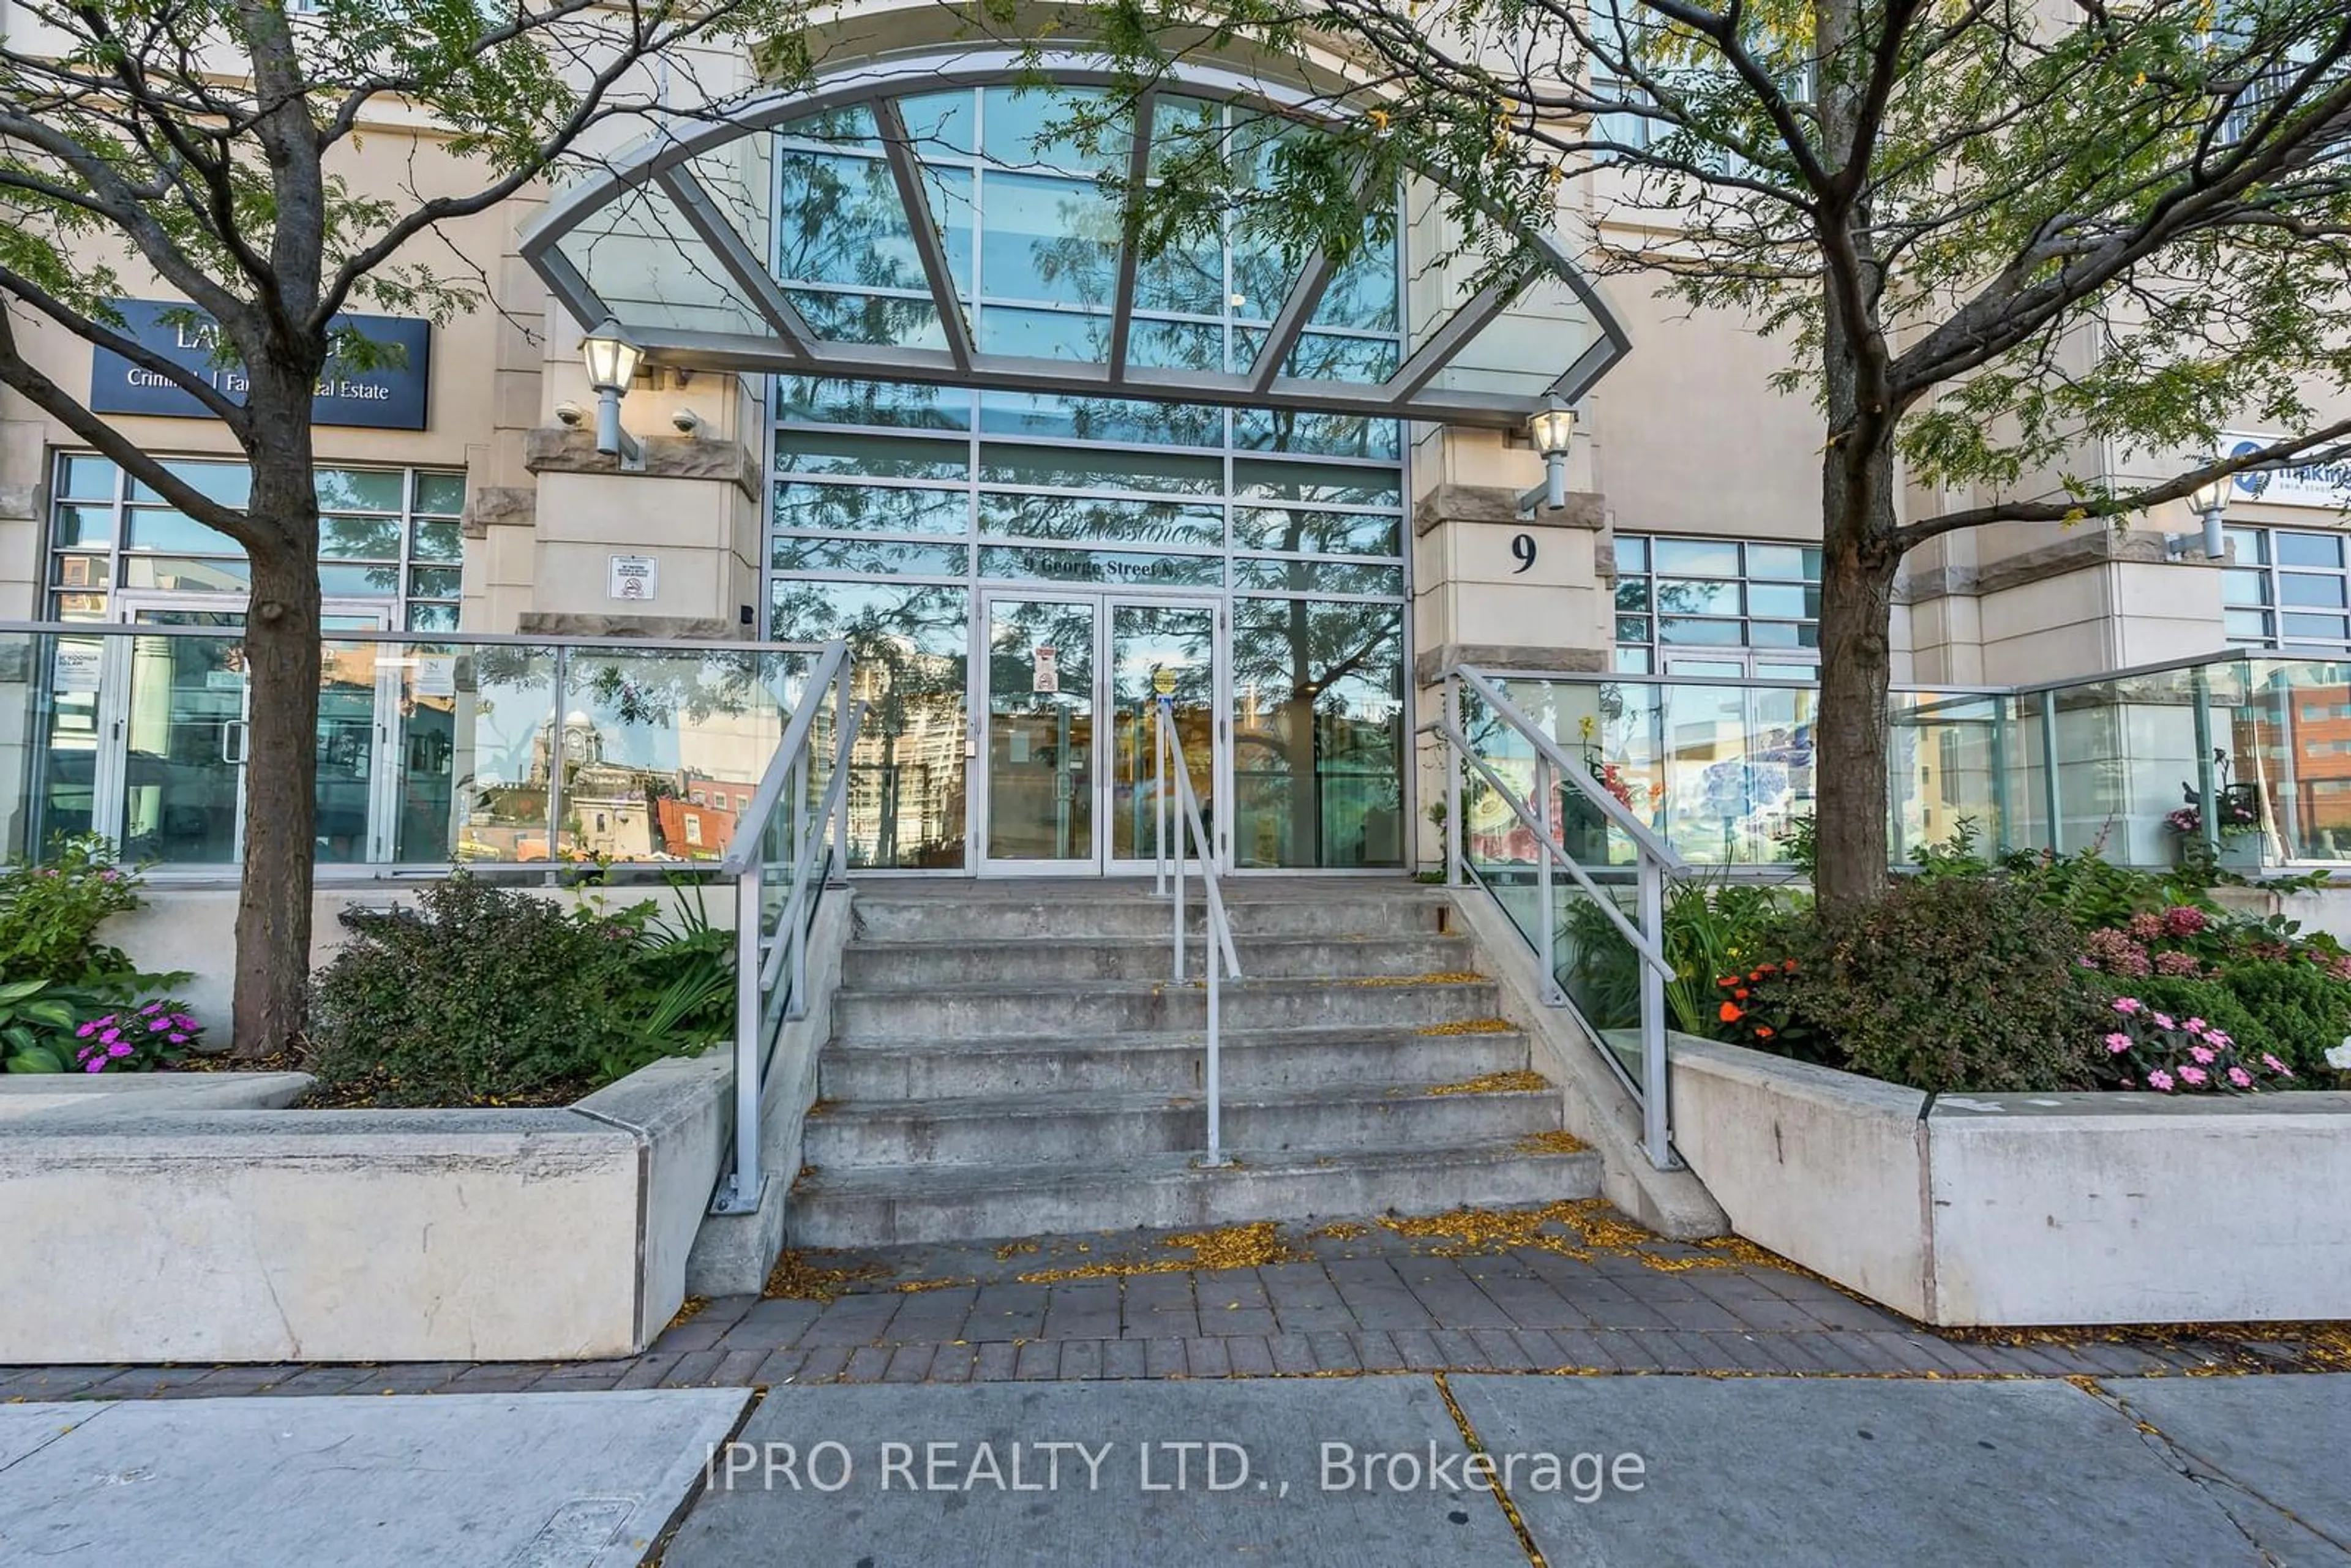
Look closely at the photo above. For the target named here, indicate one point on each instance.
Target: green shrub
(2305, 1010)
(1945, 983)
(49, 914)
(490, 995)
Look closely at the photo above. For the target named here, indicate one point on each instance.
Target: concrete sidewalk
(1348, 1472)
(547, 1480)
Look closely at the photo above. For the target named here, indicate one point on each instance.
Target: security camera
(686, 421)
(571, 413)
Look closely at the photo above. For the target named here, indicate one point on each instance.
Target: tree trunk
(1857, 568)
(282, 654)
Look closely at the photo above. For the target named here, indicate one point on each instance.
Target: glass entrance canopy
(940, 218)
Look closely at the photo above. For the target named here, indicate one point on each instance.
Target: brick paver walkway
(1570, 1289)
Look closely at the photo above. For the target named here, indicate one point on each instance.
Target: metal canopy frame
(791, 346)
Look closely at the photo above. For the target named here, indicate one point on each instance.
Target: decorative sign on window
(389, 396)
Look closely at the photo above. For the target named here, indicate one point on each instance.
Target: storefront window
(389, 534)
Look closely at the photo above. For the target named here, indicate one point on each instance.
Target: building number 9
(1523, 550)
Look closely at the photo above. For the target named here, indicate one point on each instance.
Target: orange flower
(1728, 980)
(1740, 993)
(1789, 964)
(1730, 1013)
(1761, 1032)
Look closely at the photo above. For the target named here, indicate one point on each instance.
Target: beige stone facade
(1685, 440)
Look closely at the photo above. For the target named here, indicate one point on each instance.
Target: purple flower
(110, 1036)
(157, 1025)
(179, 1039)
(152, 1007)
(121, 1047)
(95, 1064)
(86, 1030)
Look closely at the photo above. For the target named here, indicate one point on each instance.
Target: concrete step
(927, 1068)
(876, 965)
(1119, 1006)
(979, 912)
(883, 1205)
(1107, 1129)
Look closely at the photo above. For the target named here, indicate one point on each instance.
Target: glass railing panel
(2285, 724)
(475, 751)
(662, 748)
(1598, 968)
(1720, 770)
(30, 728)
(1947, 766)
(51, 692)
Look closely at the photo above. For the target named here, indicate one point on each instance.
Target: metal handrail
(771, 969)
(1615, 810)
(617, 645)
(1654, 860)
(1168, 758)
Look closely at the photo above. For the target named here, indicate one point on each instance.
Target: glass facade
(2286, 588)
(1717, 607)
(387, 534)
(1008, 566)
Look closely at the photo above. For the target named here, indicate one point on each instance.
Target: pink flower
(2194, 1026)
(2118, 1043)
(2191, 1074)
(2183, 920)
(120, 1047)
(110, 1036)
(179, 1039)
(2216, 1038)
(2126, 1004)
(95, 1064)
(2177, 964)
(2275, 1065)
(2241, 1077)
(86, 1030)
(2163, 1021)
(2200, 1054)
(2159, 1078)
(157, 1025)
(2145, 927)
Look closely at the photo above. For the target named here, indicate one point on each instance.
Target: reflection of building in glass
(905, 781)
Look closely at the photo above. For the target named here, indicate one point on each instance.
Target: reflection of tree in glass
(840, 221)
(1316, 733)
(359, 539)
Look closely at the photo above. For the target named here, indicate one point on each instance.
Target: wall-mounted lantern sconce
(1550, 429)
(612, 357)
(2210, 501)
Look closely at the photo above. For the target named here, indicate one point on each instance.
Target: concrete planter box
(1993, 1209)
(141, 1229)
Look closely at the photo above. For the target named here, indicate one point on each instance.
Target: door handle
(233, 742)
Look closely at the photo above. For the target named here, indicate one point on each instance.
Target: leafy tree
(1999, 239)
(214, 146)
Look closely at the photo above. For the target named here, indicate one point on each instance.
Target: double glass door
(1067, 726)
(170, 786)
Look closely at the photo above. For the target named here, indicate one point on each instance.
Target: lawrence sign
(392, 396)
